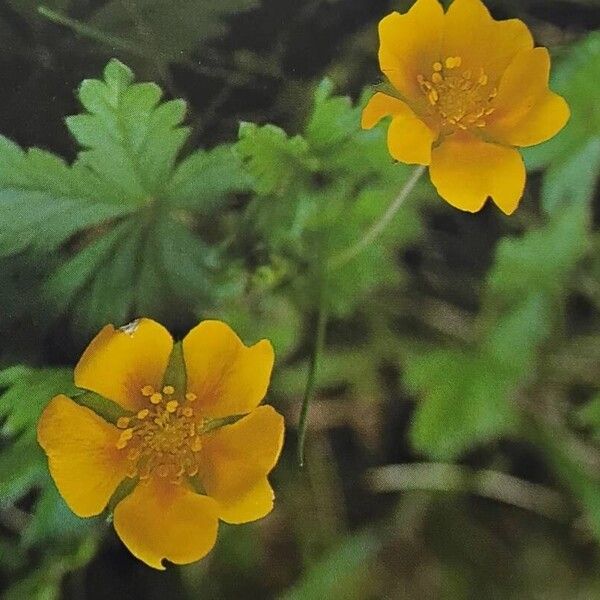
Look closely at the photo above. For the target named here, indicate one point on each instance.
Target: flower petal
(118, 363)
(227, 377)
(380, 105)
(161, 520)
(527, 112)
(466, 170)
(410, 44)
(481, 41)
(83, 458)
(235, 461)
(409, 138)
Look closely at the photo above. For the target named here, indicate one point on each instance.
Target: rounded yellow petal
(410, 44)
(380, 105)
(227, 377)
(236, 460)
(409, 138)
(527, 112)
(82, 455)
(118, 363)
(161, 520)
(480, 41)
(466, 171)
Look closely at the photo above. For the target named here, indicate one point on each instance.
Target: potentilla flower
(195, 455)
(467, 90)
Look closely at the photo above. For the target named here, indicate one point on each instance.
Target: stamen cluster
(164, 438)
(459, 98)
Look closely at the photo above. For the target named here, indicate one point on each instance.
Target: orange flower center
(163, 438)
(460, 98)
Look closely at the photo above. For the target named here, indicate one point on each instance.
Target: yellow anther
(169, 390)
(123, 422)
(142, 414)
(147, 390)
(134, 454)
(127, 434)
(193, 470)
(121, 444)
(437, 66)
(437, 78)
(187, 411)
(196, 444)
(162, 470)
(191, 397)
(172, 406)
(156, 398)
(453, 62)
(483, 79)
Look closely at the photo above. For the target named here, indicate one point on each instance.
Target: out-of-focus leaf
(573, 156)
(167, 30)
(275, 161)
(336, 575)
(467, 395)
(464, 404)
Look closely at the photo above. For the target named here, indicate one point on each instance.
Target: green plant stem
(311, 381)
(379, 226)
(90, 32)
(456, 478)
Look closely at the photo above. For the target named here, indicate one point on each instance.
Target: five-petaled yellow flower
(196, 455)
(469, 89)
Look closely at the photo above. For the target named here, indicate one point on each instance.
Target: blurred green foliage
(227, 189)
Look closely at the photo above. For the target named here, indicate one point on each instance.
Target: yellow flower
(196, 455)
(469, 89)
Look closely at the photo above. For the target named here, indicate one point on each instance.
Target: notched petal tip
(228, 377)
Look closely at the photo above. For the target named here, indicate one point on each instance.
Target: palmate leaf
(126, 207)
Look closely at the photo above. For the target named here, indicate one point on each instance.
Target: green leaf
(204, 179)
(337, 574)
(27, 392)
(333, 119)
(541, 259)
(53, 520)
(276, 162)
(24, 392)
(573, 179)
(166, 30)
(573, 156)
(130, 138)
(463, 403)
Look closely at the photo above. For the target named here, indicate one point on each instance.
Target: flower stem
(379, 226)
(311, 381)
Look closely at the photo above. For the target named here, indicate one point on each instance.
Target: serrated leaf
(204, 179)
(333, 119)
(275, 161)
(130, 138)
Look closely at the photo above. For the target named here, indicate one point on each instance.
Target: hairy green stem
(311, 381)
(379, 226)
